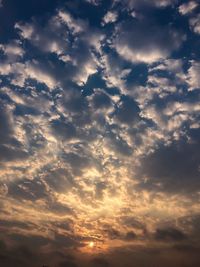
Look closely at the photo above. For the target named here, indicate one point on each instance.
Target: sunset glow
(99, 133)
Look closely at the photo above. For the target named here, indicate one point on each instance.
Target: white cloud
(194, 75)
(13, 50)
(172, 65)
(109, 17)
(47, 39)
(94, 2)
(195, 24)
(137, 55)
(114, 72)
(164, 3)
(76, 26)
(26, 30)
(34, 71)
(187, 8)
(82, 75)
(21, 72)
(136, 43)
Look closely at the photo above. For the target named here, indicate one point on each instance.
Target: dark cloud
(112, 233)
(132, 222)
(64, 130)
(127, 111)
(15, 224)
(60, 180)
(101, 100)
(100, 188)
(6, 129)
(172, 168)
(76, 161)
(30, 242)
(67, 264)
(169, 234)
(58, 208)
(27, 190)
(10, 147)
(130, 236)
(100, 262)
(9, 153)
(118, 144)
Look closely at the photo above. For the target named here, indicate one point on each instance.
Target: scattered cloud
(187, 8)
(110, 17)
(138, 44)
(99, 127)
(195, 24)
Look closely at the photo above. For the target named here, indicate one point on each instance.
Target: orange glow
(91, 244)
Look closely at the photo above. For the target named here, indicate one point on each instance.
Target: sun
(91, 244)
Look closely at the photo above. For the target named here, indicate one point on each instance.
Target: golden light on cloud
(100, 134)
(91, 244)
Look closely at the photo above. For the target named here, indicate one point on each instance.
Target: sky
(99, 133)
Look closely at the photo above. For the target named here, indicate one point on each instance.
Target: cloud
(100, 100)
(67, 264)
(30, 70)
(11, 148)
(161, 173)
(94, 2)
(99, 125)
(110, 17)
(195, 24)
(49, 39)
(100, 262)
(6, 123)
(187, 8)
(13, 50)
(64, 130)
(193, 75)
(127, 111)
(27, 189)
(76, 26)
(60, 180)
(54, 38)
(169, 234)
(137, 4)
(130, 236)
(136, 43)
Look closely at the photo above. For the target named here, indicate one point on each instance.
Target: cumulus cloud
(13, 50)
(109, 17)
(187, 8)
(76, 26)
(195, 24)
(99, 125)
(169, 234)
(136, 43)
(193, 75)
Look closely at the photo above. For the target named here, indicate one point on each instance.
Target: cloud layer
(99, 135)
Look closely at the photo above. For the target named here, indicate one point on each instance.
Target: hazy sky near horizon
(99, 133)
